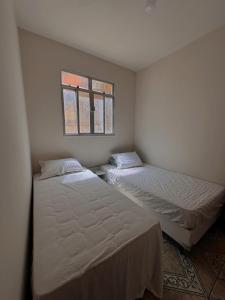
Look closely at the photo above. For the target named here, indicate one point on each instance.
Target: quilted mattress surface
(182, 199)
(79, 222)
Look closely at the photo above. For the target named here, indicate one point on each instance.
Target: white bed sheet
(92, 242)
(182, 199)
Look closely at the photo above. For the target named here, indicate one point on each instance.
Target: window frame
(91, 93)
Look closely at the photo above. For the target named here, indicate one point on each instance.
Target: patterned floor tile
(222, 273)
(171, 261)
(213, 241)
(197, 275)
(179, 271)
(205, 273)
(218, 292)
(173, 295)
(215, 261)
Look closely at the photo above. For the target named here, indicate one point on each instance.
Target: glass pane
(98, 114)
(84, 112)
(108, 115)
(74, 80)
(103, 87)
(70, 111)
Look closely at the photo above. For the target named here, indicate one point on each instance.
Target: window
(88, 105)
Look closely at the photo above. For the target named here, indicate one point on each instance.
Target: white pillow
(51, 168)
(127, 160)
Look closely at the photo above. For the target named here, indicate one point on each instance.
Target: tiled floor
(198, 275)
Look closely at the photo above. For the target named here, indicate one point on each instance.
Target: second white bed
(186, 206)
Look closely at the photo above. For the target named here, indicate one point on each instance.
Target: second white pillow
(127, 160)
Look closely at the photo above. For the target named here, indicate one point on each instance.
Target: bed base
(184, 237)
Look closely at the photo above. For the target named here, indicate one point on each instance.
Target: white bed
(92, 242)
(185, 206)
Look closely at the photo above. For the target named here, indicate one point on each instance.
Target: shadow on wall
(121, 150)
(141, 154)
(28, 275)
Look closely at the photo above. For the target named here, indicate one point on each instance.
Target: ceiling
(119, 30)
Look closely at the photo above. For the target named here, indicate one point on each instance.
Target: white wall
(15, 165)
(42, 60)
(180, 110)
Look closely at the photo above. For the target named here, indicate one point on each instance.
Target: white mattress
(184, 200)
(92, 242)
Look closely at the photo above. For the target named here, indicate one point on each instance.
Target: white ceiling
(119, 30)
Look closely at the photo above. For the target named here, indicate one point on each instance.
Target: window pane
(74, 80)
(108, 115)
(84, 112)
(70, 111)
(101, 86)
(98, 114)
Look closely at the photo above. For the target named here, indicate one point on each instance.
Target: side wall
(42, 60)
(15, 163)
(180, 110)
